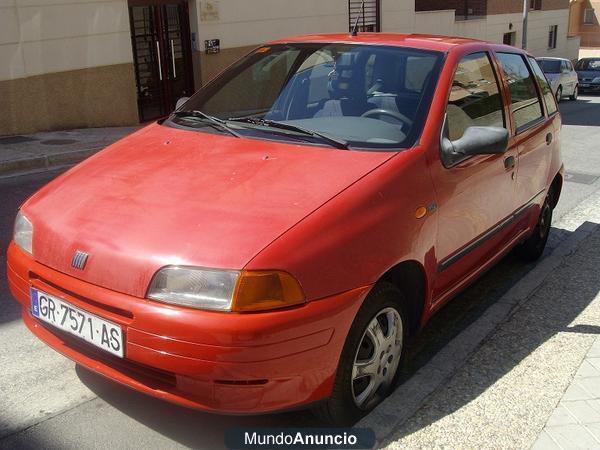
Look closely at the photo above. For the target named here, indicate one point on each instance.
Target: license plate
(585, 85)
(89, 327)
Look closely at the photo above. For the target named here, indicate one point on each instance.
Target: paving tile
(594, 361)
(591, 384)
(573, 436)
(576, 392)
(594, 428)
(561, 416)
(581, 410)
(594, 351)
(587, 370)
(545, 442)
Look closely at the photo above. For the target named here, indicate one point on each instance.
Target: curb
(21, 166)
(408, 398)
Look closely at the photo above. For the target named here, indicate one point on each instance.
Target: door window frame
(525, 57)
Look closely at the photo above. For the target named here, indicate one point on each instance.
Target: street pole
(525, 14)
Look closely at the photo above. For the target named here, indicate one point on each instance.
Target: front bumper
(588, 87)
(229, 363)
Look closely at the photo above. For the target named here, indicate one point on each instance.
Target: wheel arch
(556, 188)
(409, 277)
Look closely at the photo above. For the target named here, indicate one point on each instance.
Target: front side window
(475, 96)
(549, 98)
(526, 106)
(368, 96)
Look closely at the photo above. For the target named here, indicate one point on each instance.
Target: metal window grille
(552, 36)
(369, 16)
(588, 16)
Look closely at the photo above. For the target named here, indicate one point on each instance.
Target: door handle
(173, 59)
(548, 138)
(159, 62)
(509, 163)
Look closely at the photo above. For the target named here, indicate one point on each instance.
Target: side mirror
(475, 141)
(180, 102)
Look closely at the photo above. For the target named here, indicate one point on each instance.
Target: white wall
(492, 28)
(43, 36)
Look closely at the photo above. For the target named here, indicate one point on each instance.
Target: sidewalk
(576, 420)
(26, 153)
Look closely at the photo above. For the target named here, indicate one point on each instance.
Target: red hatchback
(271, 244)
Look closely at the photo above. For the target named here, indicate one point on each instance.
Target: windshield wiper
(215, 121)
(334, 142)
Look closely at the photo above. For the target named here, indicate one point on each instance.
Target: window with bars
(588, 16)
(368, 15)
(535, 4)
(552, 36)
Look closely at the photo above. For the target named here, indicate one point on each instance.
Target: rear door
(534, 132)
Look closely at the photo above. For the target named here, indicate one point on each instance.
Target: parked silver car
(588, 70)
(562, 77)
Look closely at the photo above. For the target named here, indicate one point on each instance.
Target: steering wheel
(386, 112)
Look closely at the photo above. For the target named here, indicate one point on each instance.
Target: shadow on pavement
(202, 430)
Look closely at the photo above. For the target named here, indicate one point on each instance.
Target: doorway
(162, 55)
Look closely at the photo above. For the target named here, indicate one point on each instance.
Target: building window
(552, 36)
(509, 38)
(535, 4)
(369, 16)
(588, 16)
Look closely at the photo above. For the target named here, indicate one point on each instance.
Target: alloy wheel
(377, 357)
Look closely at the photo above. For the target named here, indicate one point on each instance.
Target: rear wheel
(559, 94)
(534, 246)
(575, 93)
(369, 363)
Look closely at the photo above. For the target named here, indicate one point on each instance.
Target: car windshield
(346, 95)
(588, 64)
(550, 65)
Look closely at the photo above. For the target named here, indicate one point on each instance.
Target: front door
(160, 36)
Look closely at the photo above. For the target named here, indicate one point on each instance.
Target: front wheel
(559, 94)
(575, 93)
(369, 363)
(533, 247)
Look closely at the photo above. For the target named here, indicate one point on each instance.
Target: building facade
(584, 23)
(89, 63)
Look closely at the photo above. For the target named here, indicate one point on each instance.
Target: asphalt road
(46, 401)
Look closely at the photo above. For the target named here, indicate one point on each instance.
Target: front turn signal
(265, 290)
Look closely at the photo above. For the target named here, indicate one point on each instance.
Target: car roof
(419, 41)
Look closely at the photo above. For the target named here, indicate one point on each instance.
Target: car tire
(575, 93)
(559, 94)
(533, 247)
(354, 396)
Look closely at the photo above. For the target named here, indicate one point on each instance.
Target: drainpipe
(525, 15)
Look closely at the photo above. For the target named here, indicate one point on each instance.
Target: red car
(271, 244)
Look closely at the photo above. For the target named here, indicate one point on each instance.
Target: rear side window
(475, 96)
(526, 106)
(549, 99)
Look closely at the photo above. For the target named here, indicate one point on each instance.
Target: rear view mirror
(180, 102)
(475, 141)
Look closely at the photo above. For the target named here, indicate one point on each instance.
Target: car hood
(588, 74)
(165, 196)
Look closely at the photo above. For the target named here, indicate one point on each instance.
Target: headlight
(23, 232)
(225, 290)
(596, 80)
